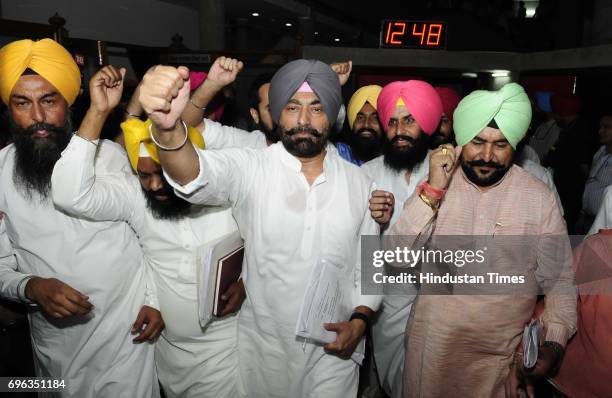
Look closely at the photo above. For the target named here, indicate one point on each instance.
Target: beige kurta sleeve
(555, 275)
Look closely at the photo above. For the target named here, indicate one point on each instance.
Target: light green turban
(509, 107)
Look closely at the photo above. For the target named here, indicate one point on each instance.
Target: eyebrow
(493, 142)
(23, 97)
(315, 101)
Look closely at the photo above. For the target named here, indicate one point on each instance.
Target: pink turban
(216, 107)
(420, 98)
(450, 99)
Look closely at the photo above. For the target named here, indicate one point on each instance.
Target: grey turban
(319, 76)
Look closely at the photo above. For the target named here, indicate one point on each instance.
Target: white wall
(144, 22)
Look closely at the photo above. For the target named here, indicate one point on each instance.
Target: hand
(348, 335)
(442, 163)
(105, 88)
(516, 386)
(57, 298)
(522, 378)
(148, 326)
(223, 72)
(164, 93)
(343, 69)
(381, 206)
(234, 296)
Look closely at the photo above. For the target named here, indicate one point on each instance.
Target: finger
(58, 310)
(380, 200)
(114, 72)
(71, 307)
(350, 66)
(84, 306)
(144, 334)
(239, 66)
(530, 390)
(333, 327)
(231, 306)
(183, 72)
(139, 321)
(381, 193)
(105, 78)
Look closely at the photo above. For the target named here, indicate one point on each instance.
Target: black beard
(438, 139)
(303, 147)
(365, 148)
(174, 208)
(497, 174)
(35, 157)
(271, 135)
(405, 158)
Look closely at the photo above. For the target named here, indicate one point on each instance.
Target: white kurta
(94, 353)
(603, 220)
(390, 327)
(542, 174)
(191, 362)
(288, 225)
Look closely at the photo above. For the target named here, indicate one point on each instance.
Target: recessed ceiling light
(500, 73)
(316, 33)
(255, 14)
(288, 24)
(336, 40)
(469, 74)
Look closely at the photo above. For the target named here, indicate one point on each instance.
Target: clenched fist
(164, 93)
(442, 163)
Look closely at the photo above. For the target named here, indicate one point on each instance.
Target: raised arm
(222, 73)
(75, 187)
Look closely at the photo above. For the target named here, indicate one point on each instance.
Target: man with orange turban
(86, 281)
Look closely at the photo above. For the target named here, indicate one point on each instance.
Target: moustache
(482, 163)
(399, 138)
(365, 130)
(303, 129)
(53, 130)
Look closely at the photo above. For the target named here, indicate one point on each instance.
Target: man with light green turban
(509, 108)
(467, 344)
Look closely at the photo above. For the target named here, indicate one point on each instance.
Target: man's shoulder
(7, 156)
(528, 182)
(111, 156)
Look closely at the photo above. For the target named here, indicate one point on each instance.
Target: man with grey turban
(285, 200)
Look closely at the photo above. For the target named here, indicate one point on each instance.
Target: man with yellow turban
(464, 344)
(86, 281)
(171, 231)
(364, 140)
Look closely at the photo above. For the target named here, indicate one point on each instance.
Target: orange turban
(45, 57)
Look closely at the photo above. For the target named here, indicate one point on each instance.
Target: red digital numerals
(422, 34)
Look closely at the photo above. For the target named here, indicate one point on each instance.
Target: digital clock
(413, 34)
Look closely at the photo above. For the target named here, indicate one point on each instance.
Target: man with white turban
(86, 281)
(465, 344)
(285, 199)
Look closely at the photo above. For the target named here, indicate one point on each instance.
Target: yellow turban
(358, 100)
(45, 57)
(136, 131)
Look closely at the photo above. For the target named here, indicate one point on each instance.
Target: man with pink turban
(444, 135)
(409, 113)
